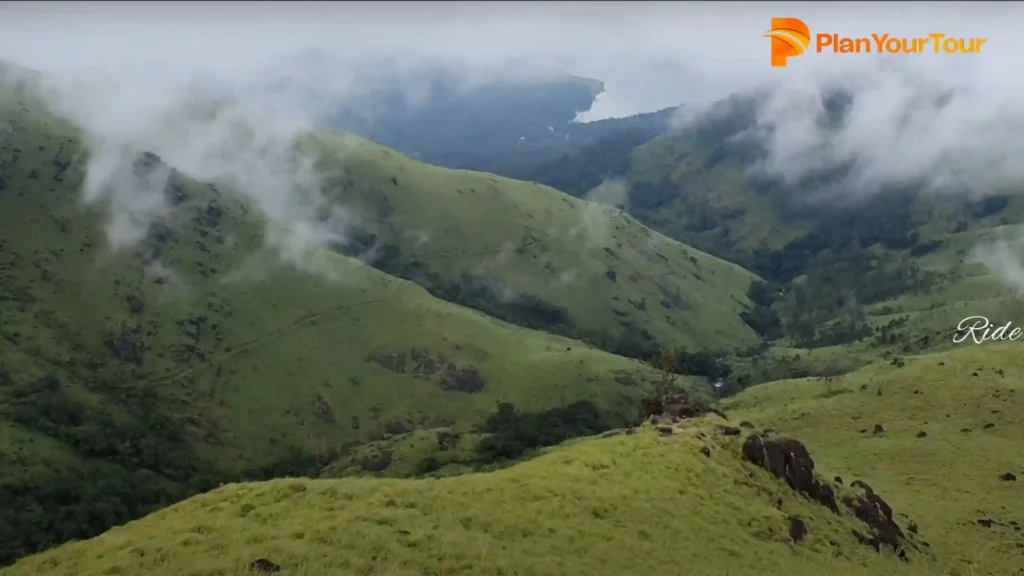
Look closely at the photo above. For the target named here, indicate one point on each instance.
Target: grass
(947, 480)
(622, 504)
(743, 218)
(291, 361)
(197, 354)
(407, 452)
(616, 505)
(611, 275)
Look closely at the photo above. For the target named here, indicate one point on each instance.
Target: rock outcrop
(789, 461)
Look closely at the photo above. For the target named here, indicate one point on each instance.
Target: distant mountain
(507, 127)
(889, 270)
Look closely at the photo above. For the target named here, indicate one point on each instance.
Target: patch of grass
(508, 435)
(649, 493)
(615, 505)
(418, 453)
(533, 256)
(968, 403)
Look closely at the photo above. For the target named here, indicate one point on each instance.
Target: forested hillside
(886, 271)
(135, 374)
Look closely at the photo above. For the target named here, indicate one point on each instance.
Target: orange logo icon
(790, 37)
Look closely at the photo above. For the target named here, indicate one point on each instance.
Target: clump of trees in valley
(128, 458)
(513, 433)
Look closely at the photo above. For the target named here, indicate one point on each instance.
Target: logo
(789, 37)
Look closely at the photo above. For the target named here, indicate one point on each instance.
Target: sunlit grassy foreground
(627, 504)
(641, 503)
(952, 427)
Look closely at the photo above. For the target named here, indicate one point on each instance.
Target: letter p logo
(790, 37)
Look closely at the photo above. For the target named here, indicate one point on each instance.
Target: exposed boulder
(789, 460)
(673, 407)
(872, 510)
(729, 430)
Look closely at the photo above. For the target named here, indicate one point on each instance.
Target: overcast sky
(650, 54)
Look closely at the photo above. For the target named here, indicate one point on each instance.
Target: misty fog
(131, 74)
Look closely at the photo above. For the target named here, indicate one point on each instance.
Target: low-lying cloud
(945, 123)
(208, 133)
(901, 127)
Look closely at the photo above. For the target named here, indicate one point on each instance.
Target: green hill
(863, 276)
(657, 499)
(130, 379)
(535, 257)
(938, 435)
(942, 456)
(901, 256)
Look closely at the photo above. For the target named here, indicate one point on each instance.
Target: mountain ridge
(133, 377)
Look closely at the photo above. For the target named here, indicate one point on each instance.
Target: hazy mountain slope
(607, 157)
(129, 379)
(505, 126)
(900, 251)
(534, 256)
(659, 499)
(894, 270)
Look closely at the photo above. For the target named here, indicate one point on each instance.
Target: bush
(513, 433)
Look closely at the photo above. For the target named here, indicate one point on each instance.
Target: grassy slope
(747, 219)
(617, 505)
(266, 349)
(658, 499)
(521, 238)
(947, 480)
(163, 358)
(743, 219)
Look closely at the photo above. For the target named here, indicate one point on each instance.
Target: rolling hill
(653, 497)
(133, 377)
(864, 275)
(521, 252)
(929, 439)
(462, 323)
(903, 257)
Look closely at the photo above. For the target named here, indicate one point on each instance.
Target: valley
(160, 366)
(446, 329)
